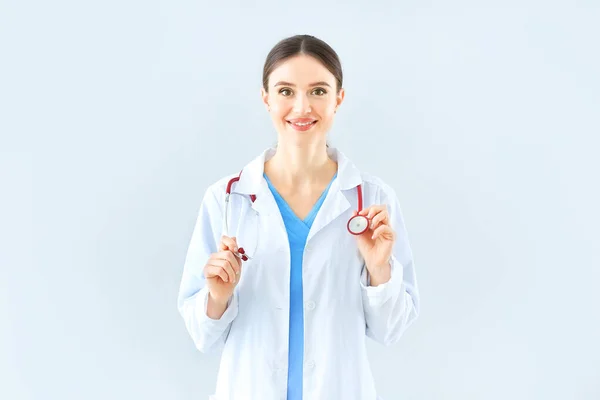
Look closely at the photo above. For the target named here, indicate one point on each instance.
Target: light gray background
(115, 117)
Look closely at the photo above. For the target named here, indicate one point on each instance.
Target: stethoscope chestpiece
(358, 224)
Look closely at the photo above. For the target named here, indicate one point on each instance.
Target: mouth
(302, 125)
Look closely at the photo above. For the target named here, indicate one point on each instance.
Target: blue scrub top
(297, 231)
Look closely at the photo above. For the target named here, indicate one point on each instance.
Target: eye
(285, 90)
(321, 90)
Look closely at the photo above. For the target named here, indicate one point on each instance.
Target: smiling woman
(290, 306)
(302, 87)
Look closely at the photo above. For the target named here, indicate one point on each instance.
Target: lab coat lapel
(342, 188)
(264, 204)
(333, 206)
(252, 183)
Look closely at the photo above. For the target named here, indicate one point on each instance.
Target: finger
(220, 259)
(235, 250)
(212, 271)
(234, 260)
(228, 267)
(375, 210)
(233, 244)
(380, 218)
(228, 243)
(238, 260)
(370, 211)
(383, 231)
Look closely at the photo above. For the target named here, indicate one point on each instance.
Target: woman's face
(302, 99)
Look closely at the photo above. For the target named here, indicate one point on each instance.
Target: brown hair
(307, 45)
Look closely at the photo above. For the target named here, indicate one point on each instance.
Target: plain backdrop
(483, 116)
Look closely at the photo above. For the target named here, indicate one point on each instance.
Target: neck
(293, 165)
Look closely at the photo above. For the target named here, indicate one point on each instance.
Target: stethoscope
(356, 225)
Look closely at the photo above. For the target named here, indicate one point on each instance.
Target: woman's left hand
(377, 242)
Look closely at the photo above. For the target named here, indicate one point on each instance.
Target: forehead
(301, 70)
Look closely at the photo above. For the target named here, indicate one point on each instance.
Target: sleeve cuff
(377, 295)
(228, 316)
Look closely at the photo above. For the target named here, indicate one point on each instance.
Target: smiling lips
(302, 124)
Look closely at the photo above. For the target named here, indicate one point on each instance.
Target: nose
(302, 105)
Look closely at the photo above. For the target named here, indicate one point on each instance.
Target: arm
(391, 305)
(208, 332)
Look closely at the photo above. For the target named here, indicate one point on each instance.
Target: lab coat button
(310, 364)
(310, 305)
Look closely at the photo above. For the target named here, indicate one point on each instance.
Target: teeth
(302, 124)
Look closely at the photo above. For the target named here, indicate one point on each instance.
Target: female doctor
(297, 258)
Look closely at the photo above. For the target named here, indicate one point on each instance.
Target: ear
(265, 97)
(340, 97)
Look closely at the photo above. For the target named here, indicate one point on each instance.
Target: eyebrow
(283, 83)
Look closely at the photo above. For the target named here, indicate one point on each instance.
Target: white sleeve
(391, 307)
(208, 334)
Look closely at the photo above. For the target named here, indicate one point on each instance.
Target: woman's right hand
(223, 270)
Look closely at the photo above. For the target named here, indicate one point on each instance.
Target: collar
(252, 182)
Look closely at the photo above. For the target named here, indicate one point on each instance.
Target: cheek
(280, 110)
(328, 112)
(329, 109)
(279, 115)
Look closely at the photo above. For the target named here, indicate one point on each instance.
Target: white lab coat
(341, 309)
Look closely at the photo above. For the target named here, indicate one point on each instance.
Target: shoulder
(220, 185)
(215, 192)
(374, 187)
(377, 184)
(379, 192)
(376, 190)
(252, 169)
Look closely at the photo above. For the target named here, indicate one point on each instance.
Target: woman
(291, 319)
